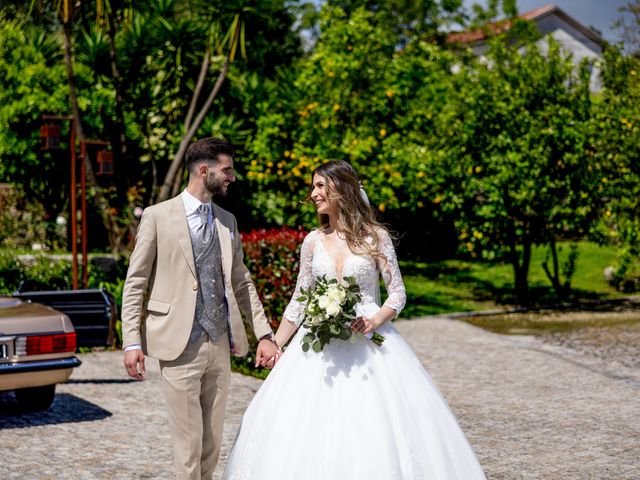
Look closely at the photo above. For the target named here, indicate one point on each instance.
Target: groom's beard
(216, 187)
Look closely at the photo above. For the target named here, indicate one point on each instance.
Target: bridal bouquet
(330, 309)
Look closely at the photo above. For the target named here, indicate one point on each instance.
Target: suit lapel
(179, 221)
(224, 236)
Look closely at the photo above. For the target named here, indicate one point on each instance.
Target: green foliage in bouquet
(329, 311)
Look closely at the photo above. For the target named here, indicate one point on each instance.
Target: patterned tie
(203, 229)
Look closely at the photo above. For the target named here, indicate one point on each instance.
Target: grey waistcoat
(211, 305)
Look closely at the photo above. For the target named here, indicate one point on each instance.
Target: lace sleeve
(295, 310)
(390, 271)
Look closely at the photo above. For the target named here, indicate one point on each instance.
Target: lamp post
(50, 140)
(84, 151)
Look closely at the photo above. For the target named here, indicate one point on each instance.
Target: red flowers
(272, 257)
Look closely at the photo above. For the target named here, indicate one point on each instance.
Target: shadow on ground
(66, 408)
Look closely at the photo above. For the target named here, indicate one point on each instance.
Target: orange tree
(615, 128)
(512, 159)
(499, 148)
(359, 97)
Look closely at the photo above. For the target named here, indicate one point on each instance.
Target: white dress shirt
(191, 205)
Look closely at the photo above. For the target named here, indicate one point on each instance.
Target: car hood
(18, 317)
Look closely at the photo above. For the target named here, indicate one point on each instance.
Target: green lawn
(458, 285)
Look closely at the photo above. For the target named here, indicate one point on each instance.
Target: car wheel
(35, 399)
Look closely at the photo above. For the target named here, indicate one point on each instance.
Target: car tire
(35, 399)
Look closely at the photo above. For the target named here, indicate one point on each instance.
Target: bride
(354, 410)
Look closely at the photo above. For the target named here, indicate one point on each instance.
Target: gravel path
(530, 409)
(615, 349)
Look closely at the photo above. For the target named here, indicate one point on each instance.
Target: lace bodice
(316, 262)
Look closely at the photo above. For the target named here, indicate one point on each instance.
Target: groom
(185, 288)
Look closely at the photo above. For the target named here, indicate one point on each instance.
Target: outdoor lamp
(105, 162)
(50, 136)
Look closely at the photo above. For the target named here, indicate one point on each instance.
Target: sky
(600, 14)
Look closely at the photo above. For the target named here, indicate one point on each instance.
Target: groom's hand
(267, 353)
(134, 363)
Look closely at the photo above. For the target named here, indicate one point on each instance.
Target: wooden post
(74, 210)
(83, 200)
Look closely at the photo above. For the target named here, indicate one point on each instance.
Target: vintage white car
(37, 351)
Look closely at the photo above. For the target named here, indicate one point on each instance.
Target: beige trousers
(196, 386)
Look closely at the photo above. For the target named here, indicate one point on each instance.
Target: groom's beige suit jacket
(159, 298)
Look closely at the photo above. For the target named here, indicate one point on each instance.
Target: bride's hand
(268, 353)
(363, 325)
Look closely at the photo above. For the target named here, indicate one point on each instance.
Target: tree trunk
(520, 265)
(196, 92)
(191, 128)
(192, 108)
(68, 58)
(120, 147)
(523, 284)
(103, 206)
(521, 273)
(174, 168)
(177, 182)
(520, 268)
(562, 288)
(554, 277)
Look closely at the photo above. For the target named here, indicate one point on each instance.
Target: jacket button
(195, 286)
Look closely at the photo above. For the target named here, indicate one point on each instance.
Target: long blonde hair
(356, 219)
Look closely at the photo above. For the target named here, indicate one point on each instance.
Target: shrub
(9, 272)
(272, 257)
(24, 222)
(44, 272)
(625, 274)
(40, 272)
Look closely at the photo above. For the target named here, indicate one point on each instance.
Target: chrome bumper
(39, 365)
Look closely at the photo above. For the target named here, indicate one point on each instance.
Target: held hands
(134, 363)
(268, 353)
(364, 324)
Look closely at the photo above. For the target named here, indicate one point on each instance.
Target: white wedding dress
(353, 411)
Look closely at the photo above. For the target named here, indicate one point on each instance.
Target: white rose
(336, 294)
(323, 301)
(333, 309)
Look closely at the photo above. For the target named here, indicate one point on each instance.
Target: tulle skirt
(354, 411)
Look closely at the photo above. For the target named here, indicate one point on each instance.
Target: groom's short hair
(207, 150)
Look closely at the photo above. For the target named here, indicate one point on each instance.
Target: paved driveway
(530, 411)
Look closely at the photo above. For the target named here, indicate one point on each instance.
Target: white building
(578, 40)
